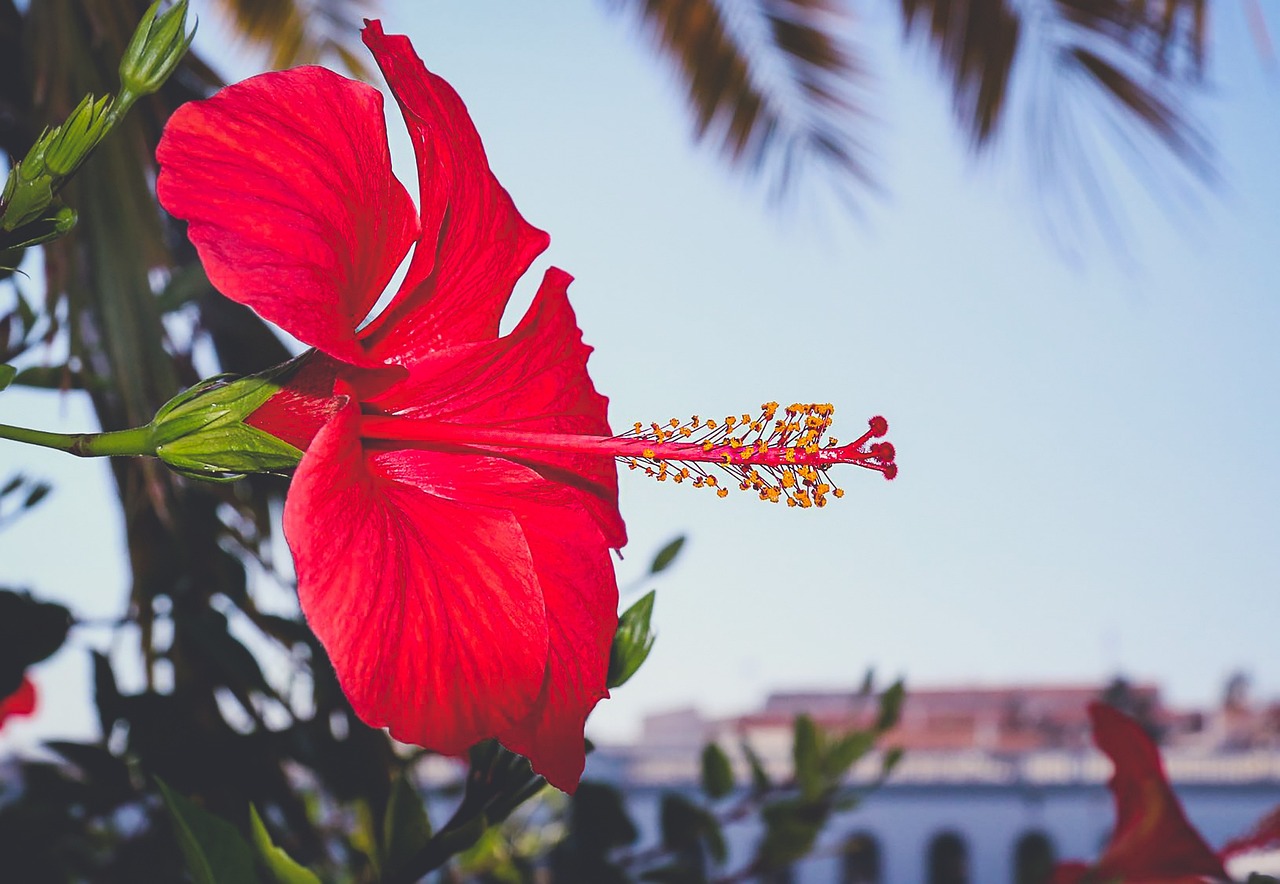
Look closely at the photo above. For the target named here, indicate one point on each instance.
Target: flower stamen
(781, 455)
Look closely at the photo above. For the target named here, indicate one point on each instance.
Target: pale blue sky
(1086, 447)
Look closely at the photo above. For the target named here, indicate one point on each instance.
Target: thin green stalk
(120, 443)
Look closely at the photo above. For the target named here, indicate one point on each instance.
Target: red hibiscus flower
(1153, 841)
(20, 702)
(452, 516)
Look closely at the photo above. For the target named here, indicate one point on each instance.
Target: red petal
(428, 605)
(534, 379)
(581, 594)
(571, 559)
(305, 403)
(20, 702)
(1264, 836)
(1153, 839)
(1069, 873)
(474, 245)
(286, 182)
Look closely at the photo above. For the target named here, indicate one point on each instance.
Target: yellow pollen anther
(722, 492)
(649, 453)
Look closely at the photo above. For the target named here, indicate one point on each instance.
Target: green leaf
(760, 781)
(281, 866)
(599, 819)
(667, 555)
(7, 374)
(791, 828)
(632, 642)
(405, 828)
(26, 312)
(214, 850)
(845, 752)
(717, 773)
(688, 829)
(891, 705)
(807, 753)
(38, 492)
(890, 760)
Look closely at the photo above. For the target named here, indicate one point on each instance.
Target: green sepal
(283, 868)
(201, 432)
(632, 642)
(7, 374)
(228, 452)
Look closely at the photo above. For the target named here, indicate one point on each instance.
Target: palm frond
(770, 83)
(976, 42)
(295, 32)
(1087, 83)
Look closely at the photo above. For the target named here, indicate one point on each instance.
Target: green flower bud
(155, 50)
(71, 143)
(29, 188)
(201, 432)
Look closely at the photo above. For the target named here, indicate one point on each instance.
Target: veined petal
(571, 559)
(316, 224)
(20, 702)
(429, 606)
(474, 245)
(1153, 839)
(534, 379)
(581, 594)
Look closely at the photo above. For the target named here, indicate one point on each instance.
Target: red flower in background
(452, 516)
(1153, 841)
(20, 702)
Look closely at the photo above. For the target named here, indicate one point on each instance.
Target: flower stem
(124, 443)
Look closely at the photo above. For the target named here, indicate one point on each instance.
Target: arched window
(1033, 859)
(860, 859)
(948, 859)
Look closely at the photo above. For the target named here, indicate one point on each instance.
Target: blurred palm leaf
(770, 83)
(295, 32)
